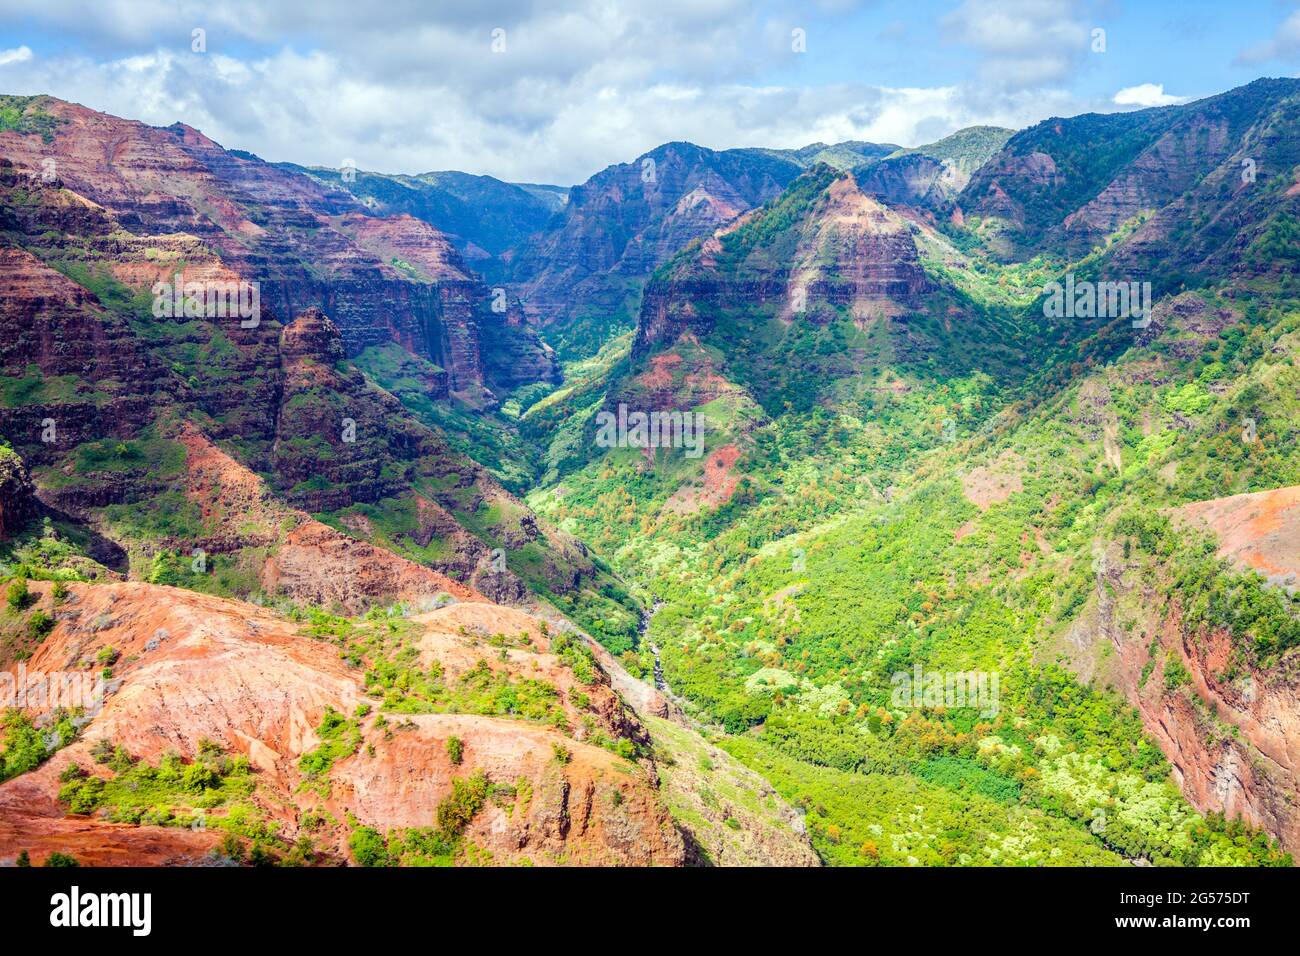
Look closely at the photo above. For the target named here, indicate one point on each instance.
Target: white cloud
(310, 108)
(1283, 45)
(409, 87)
(20, 54)
(1025, 43)
(1146, 94)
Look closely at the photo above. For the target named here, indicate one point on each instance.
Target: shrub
(1176, 675)
(18, 596)
(261, 855)
(22, 747)
(83, 795)
(231, 847)
(340, 738)
(121, 760)
(39, 624)
(368, 847)
(198, 777)
(455, 750)
(303, 852)
(61, 859)
(457, 810)
(102, 750)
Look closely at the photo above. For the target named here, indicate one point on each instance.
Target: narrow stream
(643, 629)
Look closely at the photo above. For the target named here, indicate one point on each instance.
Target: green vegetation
(23, 747)
(213, 790)
(17, 596)
(865, 536)
(340, 738)
(438, 845)
(967, 149)
(1211, 593)
(23, 114)
(920, 474)
(490, 440)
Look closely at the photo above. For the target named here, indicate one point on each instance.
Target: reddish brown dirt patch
(194, 666)
(660, 373)
(718, 483)
(1259, 531)
(992, 484)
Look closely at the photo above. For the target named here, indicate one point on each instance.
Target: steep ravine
(729, 815)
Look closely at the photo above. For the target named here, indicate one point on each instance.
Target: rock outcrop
(1232, 731)
(195, 668)
(842, 249)
(18, 505)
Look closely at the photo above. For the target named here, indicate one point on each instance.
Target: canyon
(365, 586)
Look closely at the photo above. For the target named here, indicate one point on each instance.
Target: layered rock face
(1249, 773)
(511, 352)
(1034, 173)
(485, 217)
(104, 368)
(77, 371)
(382, 280)
(843, 249)
(340, 442)
(1232, 740)
(1065, 185)
(298, 557)
(627, 220)
(857, 249)
(1231, 731)
(1169, 167)
(913, 180)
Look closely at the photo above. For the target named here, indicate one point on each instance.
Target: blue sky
(409, 86)
(1188, 45)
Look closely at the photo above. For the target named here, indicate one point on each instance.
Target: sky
(555, 90)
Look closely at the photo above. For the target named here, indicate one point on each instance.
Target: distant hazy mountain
(850, 154)
(931, 176)
(483, 216)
